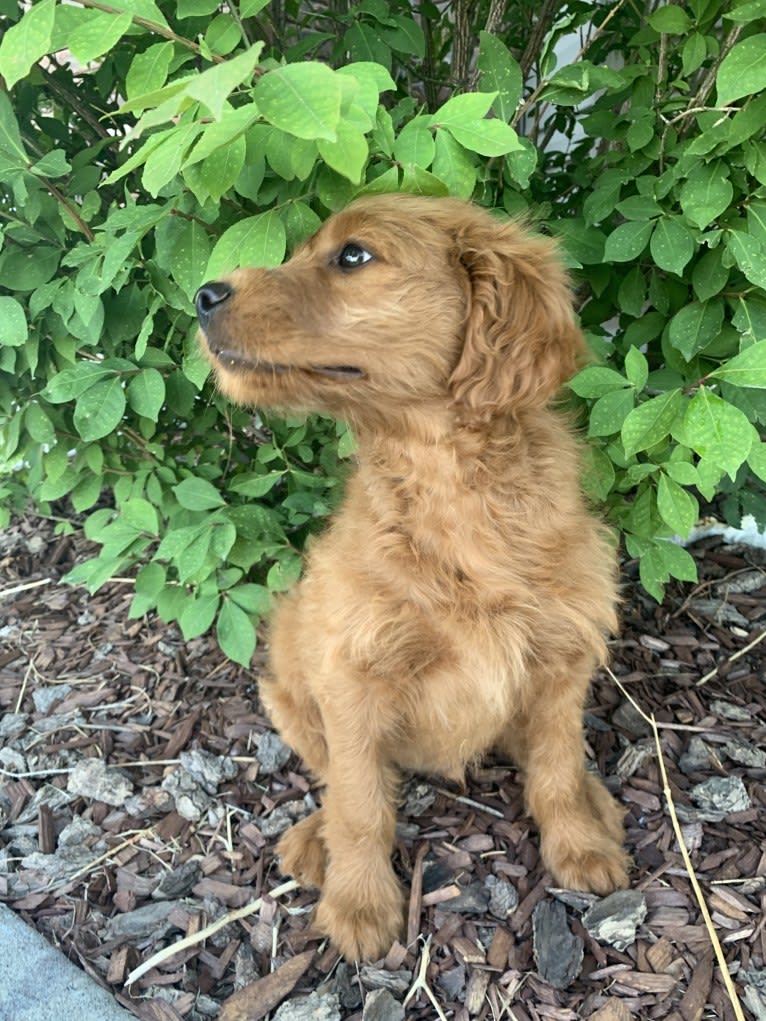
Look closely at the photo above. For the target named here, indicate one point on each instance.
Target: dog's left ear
(521, 341)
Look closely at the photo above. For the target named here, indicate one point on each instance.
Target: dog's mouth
(229, 359)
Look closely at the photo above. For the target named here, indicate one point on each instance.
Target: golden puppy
(459, 600)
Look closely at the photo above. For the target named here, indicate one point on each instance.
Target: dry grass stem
(209, 930)
(712, 934)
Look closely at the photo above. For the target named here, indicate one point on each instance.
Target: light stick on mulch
(730, 659)
(712, 934)
(422, 983)
(209, 930)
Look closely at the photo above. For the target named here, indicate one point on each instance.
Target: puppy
(460, 598)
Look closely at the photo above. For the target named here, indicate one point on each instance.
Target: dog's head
(397, 302)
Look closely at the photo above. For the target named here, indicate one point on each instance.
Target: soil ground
(142, 794)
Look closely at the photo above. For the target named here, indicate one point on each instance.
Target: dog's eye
(352, 256)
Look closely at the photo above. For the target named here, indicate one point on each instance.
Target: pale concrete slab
(37, 983)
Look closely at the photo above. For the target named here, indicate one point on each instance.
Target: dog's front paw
(600, 869)
(362, 929)
(302, 851)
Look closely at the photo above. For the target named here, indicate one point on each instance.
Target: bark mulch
(142, 794)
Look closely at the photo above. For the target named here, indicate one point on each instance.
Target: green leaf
(597, 473)
(256, 241)
(743, 70)
(198, 614)
(672, 244)
(748, 368)
(627, 241)
(636, 368)
(100, 408)
(463, 110)
(98, 34)
(253, 599)
(756, 459)
(676, 560)
(671, 19)
(236, 634)
(214, 86)
(709, 274)
(347, 154)
(407, 37)
(189, 257)
(610, 411)
(146, 393)
(13, 323)
(454, 166)
(677, 507)
(597, 380)
(302, 99)
(70, 383)
(749, 255)
(141, 515)
(25, 42)
(499, 72)
(718, 431)
(751, 10)
(487, 137)
(706, 194)
(650, 423)
(149, 70)
(198, 495)
(696, 326)
(12, 152)
(415, 144)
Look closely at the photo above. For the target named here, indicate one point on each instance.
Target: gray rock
(418, 797)
(272, 753)
(720, 796)
(745, 753)
(93, 779)
(349, 993)
(77, 832)
(615, 919)
(628, 718)
(314, 1007)
(12, 724)
(472, 900)
(381, 1006)
(503, 898)
(178, 882)
(208, 770)
(696, 757)
(190, 799)
(45, 698)
(730, 711)
(452, 983)
(558, 952)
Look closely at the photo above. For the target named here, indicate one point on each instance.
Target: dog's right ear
(521, 342)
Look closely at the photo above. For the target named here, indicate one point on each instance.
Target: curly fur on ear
(521, 341)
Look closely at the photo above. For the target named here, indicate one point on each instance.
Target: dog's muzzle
(209, 298)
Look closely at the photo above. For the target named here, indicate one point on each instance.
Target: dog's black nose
(209, 297)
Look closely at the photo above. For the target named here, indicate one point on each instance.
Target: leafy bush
(148, 146)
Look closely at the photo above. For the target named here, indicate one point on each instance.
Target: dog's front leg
(361, 906)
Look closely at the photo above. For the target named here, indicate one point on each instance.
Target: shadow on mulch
(112, 865)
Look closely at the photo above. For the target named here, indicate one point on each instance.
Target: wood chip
(257, 999)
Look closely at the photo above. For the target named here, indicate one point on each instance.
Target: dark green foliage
(185, 139)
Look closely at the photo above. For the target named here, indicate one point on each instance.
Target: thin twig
(421, 982)
(583, 50)
(23, 588)
(209, 930)
(712, 934)
(731, 659)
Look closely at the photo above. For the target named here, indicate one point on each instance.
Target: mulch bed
(112, 865)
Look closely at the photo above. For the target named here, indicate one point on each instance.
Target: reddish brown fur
(459, 600)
